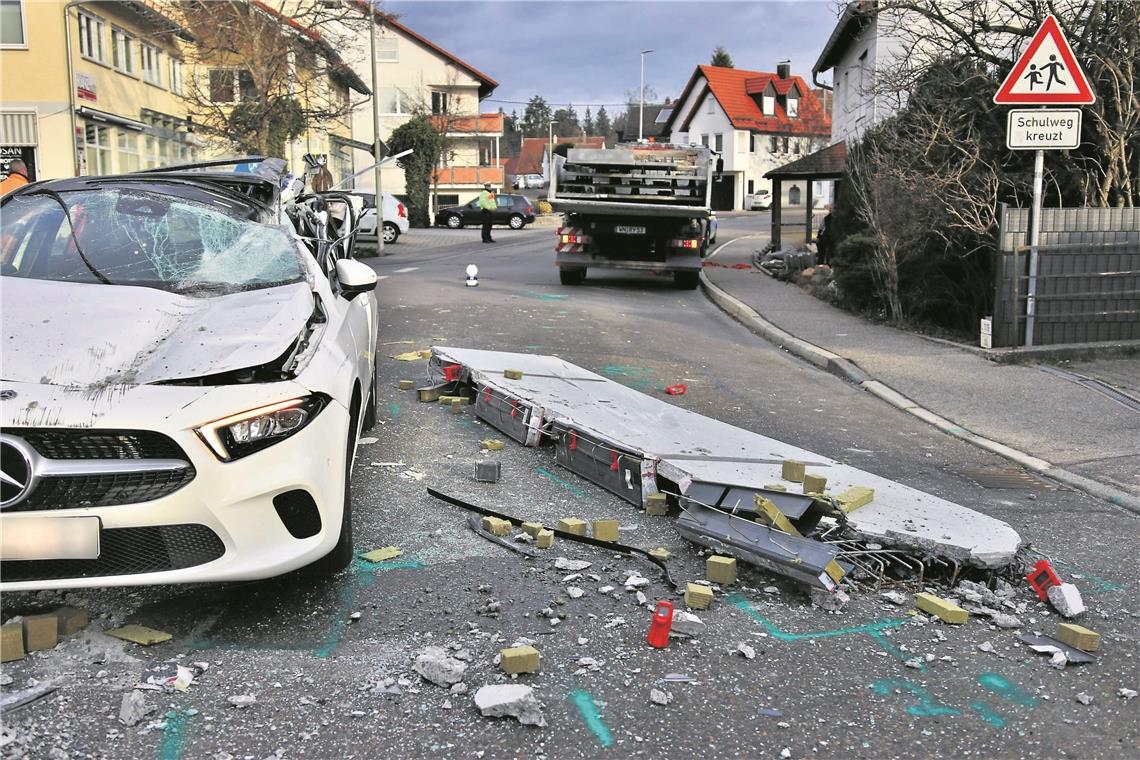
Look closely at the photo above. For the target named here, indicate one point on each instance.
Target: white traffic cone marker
(472, 276)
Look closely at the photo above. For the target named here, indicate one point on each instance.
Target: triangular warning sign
(1047, 73)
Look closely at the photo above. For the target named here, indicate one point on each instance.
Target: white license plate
(625, 229)
(33, 537)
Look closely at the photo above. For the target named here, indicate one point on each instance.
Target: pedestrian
(486, 210)
(17, 176)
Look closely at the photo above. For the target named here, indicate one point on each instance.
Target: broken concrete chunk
(896, 597)
(544, 539)
(855, 497)
(382, 555)
(524, 659)
(242, 701)
(574, 592)
(11, 642)
(698, 597)
(510, 700)
(1078, 637)
(140, 634)
(659, 697)
(572, 525)
(1059, 660)
(721, 570)
(793, 471)
(686, 624)
(746, 650)
(940, 608)
(636, 580)
(134, 708)
(1066, 599)
(435, 664)
(1084, 699)
(606, 530)
(1125, 693)
(572, 565)
(832, 601)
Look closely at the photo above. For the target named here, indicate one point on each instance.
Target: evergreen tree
(602, 125)
(536, 117)
(588, 122)
(424, 139)
(720, 57)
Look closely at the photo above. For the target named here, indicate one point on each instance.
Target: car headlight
(242, 434)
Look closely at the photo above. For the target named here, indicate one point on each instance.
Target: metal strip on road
(1098, 386)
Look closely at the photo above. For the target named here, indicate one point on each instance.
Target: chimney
(784, 69)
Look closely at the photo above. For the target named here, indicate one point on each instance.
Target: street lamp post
(641, 112)
(550, 152)
(376, 133)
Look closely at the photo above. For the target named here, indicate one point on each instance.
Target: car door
(503, 208)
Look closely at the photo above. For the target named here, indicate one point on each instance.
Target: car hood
(89, 335)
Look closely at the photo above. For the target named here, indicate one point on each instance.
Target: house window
(390, 100)
(793, 107)
(176, 82)
(705, 140)
(785, 145)
(663, 116)
(122, 51)
(151, 65)
(751, 186)
(128, 144)
(97, 145)
(709, 104)
(718, 145)
(387, 50)
(769, 105)
(773, 144)
(752, 143)
(91, 38)
(439, 102)
(12, 23)
(231, 86)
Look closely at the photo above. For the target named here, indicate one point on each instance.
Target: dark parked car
(515, 211)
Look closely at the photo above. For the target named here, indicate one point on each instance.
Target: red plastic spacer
(1041, 577)
(514, 408)
(614, 461)
(573, 441)
(451, 372)
(676, 390)
(486, 394)
(660, 626)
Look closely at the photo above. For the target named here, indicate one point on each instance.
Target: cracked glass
(127, 236)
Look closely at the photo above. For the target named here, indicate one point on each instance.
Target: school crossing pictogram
(1047, 73)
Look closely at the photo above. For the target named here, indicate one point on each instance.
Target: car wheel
(687, 280)
(454, 222)
(341, 554)
(571, 276)
(516, 222)
(391, 233)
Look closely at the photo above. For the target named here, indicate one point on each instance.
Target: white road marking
(405, 270)
(382, 277)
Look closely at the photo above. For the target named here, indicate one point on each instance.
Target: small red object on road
(661, 625)
(676, 390)
(451, 372)
(1041, 577)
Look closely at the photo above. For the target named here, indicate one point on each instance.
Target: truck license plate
(625, 229)
(33, 537)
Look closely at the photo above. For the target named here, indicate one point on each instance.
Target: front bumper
(222, 525)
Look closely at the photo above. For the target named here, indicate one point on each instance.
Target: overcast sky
(587, 51)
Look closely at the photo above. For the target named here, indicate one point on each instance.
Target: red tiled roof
(733, 90)
(486, 86)
(529, 159)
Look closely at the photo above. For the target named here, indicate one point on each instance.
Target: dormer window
(768, 105)
(793, 105)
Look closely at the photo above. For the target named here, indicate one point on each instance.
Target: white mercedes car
(183, 380)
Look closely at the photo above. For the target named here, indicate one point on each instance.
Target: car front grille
(99, 468)
(126, 551)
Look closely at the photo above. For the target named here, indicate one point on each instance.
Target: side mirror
(354, 278)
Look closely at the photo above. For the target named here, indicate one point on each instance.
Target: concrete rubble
(832, 601)
(437, 665)
(686, 624)
(659, 697)
(1066, 599)
(134, 708)
(510, 700)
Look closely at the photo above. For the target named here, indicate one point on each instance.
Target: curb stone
(849, 371)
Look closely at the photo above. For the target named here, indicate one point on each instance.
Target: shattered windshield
(128, 236)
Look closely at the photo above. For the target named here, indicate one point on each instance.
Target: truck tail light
(573, 239)
(686, 243)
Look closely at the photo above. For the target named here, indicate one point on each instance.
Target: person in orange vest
(17, 176)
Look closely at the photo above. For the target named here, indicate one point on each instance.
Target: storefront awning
(110, 118)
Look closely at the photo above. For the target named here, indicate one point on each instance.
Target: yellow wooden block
(11, 642)
(606, 530)
(40, 632)
(814, 483)
(428, 395)
(940, 608)
(513, 374)
(720, 570)
(1078, 637)
(771, 516)
(775, 487)
(140, 634)
(457, 407)
(491, 444)
(855, 497)
(698, 597)
(382, 555)
(71, 620)
(661, 553)
(834, 571)
(454, 399)
(793, 471)
(497, 526)
(525, 659)
(572, 525)
(656, 504)
(533, 528)
(407, 385)
(544, 539)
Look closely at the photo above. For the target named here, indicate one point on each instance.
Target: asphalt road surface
(821, 684)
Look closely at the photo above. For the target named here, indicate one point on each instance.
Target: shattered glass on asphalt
(134, 237)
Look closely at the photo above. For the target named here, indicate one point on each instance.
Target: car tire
(571, 276)
(454, 222)
(687, 280)
(391, 233)
(341, 554)
(516, 222)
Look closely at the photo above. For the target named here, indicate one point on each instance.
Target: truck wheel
(687, 280)
(571, 276)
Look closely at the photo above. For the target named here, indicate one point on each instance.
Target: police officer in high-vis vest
(486, 209)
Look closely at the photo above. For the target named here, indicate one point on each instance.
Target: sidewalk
(1040, 420)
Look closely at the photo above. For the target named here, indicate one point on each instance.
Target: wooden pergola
(824, 164)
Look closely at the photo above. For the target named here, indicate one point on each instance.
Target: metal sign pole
(1034, 241)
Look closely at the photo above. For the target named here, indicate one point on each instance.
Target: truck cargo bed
(625, 208)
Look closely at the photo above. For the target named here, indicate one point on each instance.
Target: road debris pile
(741, 494)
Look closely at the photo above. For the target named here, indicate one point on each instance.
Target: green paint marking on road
(393, 410)
(585, 704)
(347, 596)
(927, 706)
(889, 647)
(173, 735)
(1007, 690)
(548, 296)
(631, 376)
(738, 600)
(565, 484)
(391, 564)
(988, 715)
